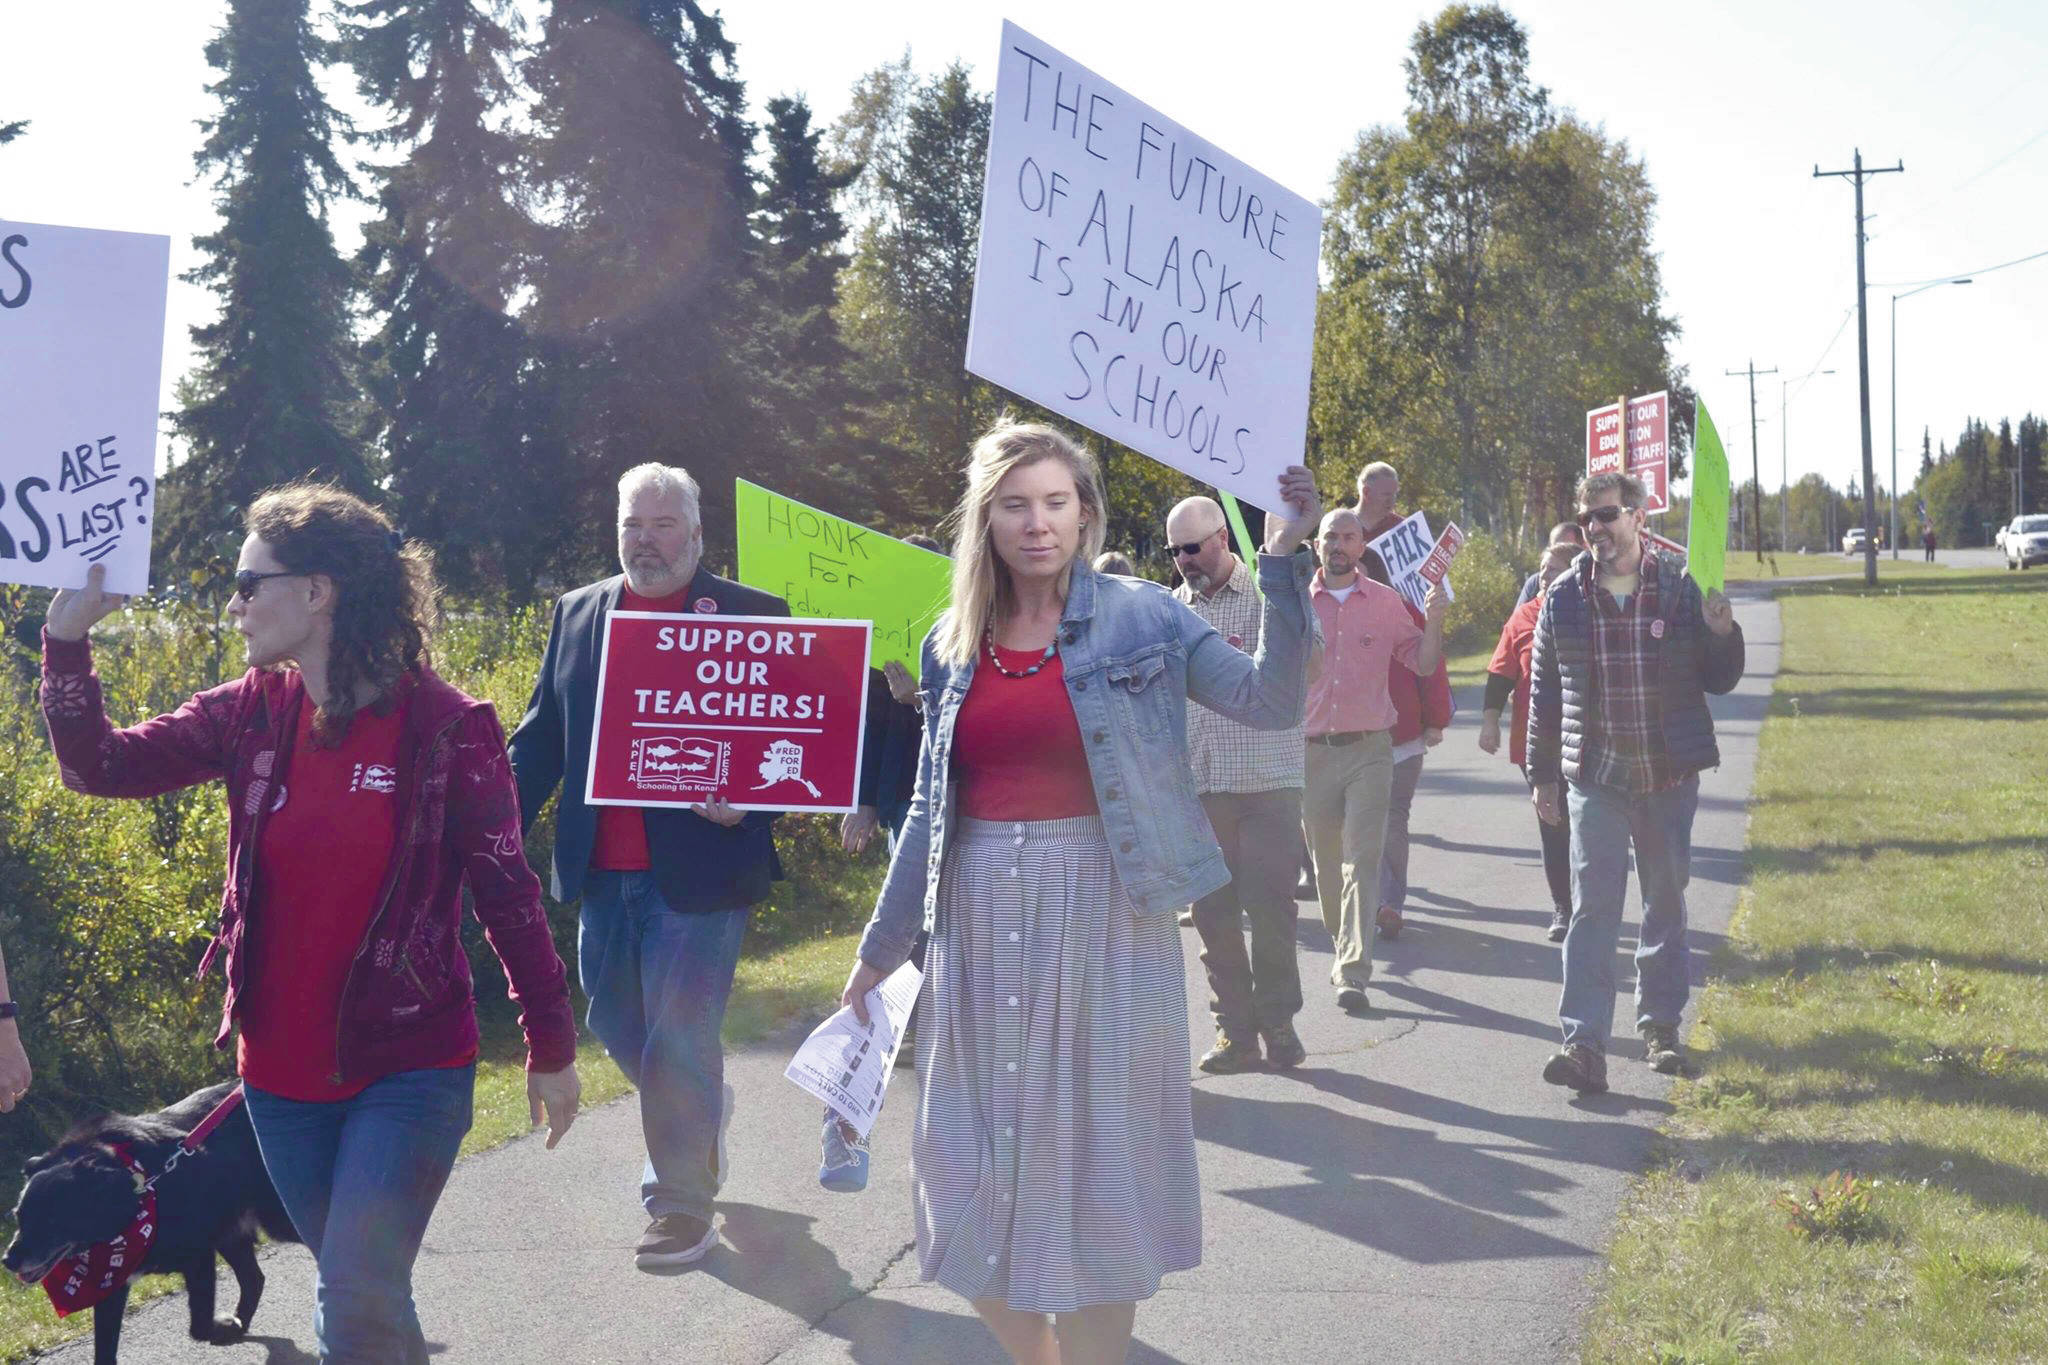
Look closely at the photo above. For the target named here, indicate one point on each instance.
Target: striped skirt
(1054, 1153)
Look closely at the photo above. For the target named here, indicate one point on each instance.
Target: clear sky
(1730, 105)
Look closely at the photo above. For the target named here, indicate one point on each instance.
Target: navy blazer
(698, 863)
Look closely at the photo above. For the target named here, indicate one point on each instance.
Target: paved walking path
(1413, 1193)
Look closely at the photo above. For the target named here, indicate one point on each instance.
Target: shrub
(106, 906)
(1487, 585)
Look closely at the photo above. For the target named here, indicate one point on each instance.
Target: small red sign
(1670, 547)
(762, 712)
(1442, 553)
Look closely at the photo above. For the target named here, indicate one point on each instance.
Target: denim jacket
(1133, 657)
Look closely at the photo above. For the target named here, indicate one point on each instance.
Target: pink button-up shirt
(1360, 635)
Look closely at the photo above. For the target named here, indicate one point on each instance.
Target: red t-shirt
(621, 844)
(1018, 746)
(320, 871)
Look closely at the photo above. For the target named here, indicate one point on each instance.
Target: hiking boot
(1390, 922)
(1351, 999)
(1661, 1051)
(844, 1167)
(1230, 1055)
(1560, 922)
(1581, 1067)
(1283, 1048)
(674, 1239)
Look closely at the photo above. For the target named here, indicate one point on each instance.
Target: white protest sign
(1136, 278)
(81, 353)
(845, 1063)
(1405, 550)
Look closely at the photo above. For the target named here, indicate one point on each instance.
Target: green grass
(775, 996)
(1743, 566)
(1876, 1011)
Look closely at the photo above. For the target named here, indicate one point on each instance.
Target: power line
(1958, 274)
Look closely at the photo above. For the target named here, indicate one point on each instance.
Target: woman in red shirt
(364, 793)
(1507, 684)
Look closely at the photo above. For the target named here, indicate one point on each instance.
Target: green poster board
(825, 566)
(1706, 537)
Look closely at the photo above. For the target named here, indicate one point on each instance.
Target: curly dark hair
(387, 600)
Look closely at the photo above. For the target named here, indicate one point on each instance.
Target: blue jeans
(360, 1178)
(658, 980)
(1605, 821)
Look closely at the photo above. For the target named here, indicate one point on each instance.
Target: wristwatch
(9, 1010)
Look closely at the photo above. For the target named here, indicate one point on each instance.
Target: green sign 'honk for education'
(826, 566)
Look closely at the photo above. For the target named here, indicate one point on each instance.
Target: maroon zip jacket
(409, 1002)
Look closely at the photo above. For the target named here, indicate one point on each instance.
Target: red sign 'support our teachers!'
(762, 712)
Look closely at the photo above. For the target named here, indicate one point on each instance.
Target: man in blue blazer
(665, 891)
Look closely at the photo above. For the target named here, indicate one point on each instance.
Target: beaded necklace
(988, 638)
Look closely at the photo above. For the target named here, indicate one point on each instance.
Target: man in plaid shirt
(1250, 785)
(1626, 650)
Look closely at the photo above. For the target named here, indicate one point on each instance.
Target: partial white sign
(1138, 279)
(847, 1065)
(81, 352)
(1405, 550)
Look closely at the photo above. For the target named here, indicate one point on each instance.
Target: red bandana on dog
(83, 1280)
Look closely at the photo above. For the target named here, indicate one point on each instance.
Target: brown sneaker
(1661, 1051)
(1390, 922)
(1578, 1066)
(1230, 1055)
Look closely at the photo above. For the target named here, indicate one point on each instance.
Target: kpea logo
(374, 777)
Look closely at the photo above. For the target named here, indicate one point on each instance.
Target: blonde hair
(981, 582)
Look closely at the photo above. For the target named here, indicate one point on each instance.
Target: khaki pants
(1347, 790)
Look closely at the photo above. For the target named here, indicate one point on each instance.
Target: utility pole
(1859, 174)
(1756, 478)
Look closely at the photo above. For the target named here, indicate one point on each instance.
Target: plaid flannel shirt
(1227, 756)
(1625, 730)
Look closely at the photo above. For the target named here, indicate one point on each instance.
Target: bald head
(1199, 522)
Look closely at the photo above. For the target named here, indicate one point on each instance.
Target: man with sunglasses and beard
(1626, 650)
(1249, 782)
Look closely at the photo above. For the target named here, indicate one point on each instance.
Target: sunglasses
(1606, 516)
(1193, 547)
(248, 580)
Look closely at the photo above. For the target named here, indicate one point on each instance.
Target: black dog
(79, 1194)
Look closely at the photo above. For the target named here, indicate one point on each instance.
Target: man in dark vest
(666, 891)
(1626, 650)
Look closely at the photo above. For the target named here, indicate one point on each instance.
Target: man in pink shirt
(1348, 772)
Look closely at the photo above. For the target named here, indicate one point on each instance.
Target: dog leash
(201, 1131)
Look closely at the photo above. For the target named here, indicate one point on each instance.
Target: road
(1413, 1193)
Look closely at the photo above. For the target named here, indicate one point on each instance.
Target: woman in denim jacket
(1054, 831)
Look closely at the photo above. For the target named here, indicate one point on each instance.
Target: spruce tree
(11, 131)
(643, 273)
(441, 266)
(274, 394)
(802, 364)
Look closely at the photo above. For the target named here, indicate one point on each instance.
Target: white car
(1855, 540)
(2026, 541)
